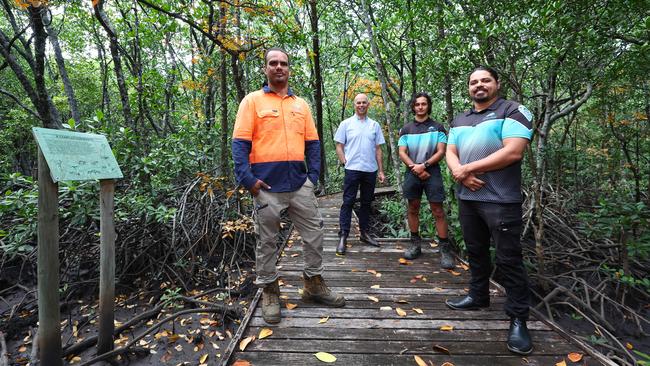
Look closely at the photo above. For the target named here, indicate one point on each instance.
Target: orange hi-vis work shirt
(271, 138)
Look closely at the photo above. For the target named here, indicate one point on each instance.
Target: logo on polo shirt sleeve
(523, 110)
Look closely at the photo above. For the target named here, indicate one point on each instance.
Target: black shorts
(433, 187)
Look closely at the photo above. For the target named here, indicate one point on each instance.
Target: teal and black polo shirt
(479, 134)
(421, 140)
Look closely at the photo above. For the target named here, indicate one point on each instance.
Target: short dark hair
(493, 72)
(266, 53)
(420, 95)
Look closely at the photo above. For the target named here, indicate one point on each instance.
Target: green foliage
(171, 296)
(18, 211)
(395, 210)
(629, 280)
(610, 218)
(645, 361)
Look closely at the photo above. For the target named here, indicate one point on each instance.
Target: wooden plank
(376, 313)
(106, 266)
(49, 327)
(308, 359)
(288, 321)
(424, 335)
(455, 347)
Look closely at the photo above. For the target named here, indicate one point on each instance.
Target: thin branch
(15, 99)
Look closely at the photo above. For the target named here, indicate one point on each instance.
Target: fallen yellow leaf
(401, 301)
(447, 364)
(291, 306)
(372, 271)
(400, 312)
(420, 361)
(265, 332)
(22, 349)
(375, 286)
(454, 272)
(203, 358)
(323, 320)
(574, 356)
(404, 261)
(464, 266)
(385, 308)
(245, 342)
(325, 357)
(447, 327)
(372, 298)
(419, 311)
(629, 345)
(561, 363)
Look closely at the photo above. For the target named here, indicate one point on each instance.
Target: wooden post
(107, 266)
(49, 332)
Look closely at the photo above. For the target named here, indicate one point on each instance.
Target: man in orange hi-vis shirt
(274, 135)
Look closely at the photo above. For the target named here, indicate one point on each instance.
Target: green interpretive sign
(77, 156)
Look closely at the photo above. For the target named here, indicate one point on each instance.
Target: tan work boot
(271, 303)
(317, 291)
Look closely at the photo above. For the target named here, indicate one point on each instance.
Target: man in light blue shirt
(358, 147)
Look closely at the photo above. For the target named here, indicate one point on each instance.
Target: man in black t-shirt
(421, 146)
(484, 152)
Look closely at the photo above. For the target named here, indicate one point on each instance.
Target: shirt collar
(267, 89)
(492, 107)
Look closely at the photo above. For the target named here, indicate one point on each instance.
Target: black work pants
(502, 222)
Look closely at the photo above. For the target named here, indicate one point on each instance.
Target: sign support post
(107, 266)
(49, 325)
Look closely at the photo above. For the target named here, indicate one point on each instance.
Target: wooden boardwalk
(369, 330)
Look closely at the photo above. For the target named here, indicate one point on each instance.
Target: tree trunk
(318, 87)
(117, 62)
(45, 106)
(67, 85)
(383, 76)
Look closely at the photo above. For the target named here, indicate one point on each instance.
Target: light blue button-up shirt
(360, 138)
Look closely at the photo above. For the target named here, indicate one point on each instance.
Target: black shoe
(519, 341)
(341, 247)
(446, 257)
(366, 238)
(467, 303)
(414, 250)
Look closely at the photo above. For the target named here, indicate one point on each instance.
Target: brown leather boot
(317, 291)
(271, 302)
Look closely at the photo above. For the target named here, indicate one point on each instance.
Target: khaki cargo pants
(302, 208)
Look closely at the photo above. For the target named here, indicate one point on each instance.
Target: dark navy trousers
(354, 181)
(502, 222)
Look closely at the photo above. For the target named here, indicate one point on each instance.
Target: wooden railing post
(49, 328)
